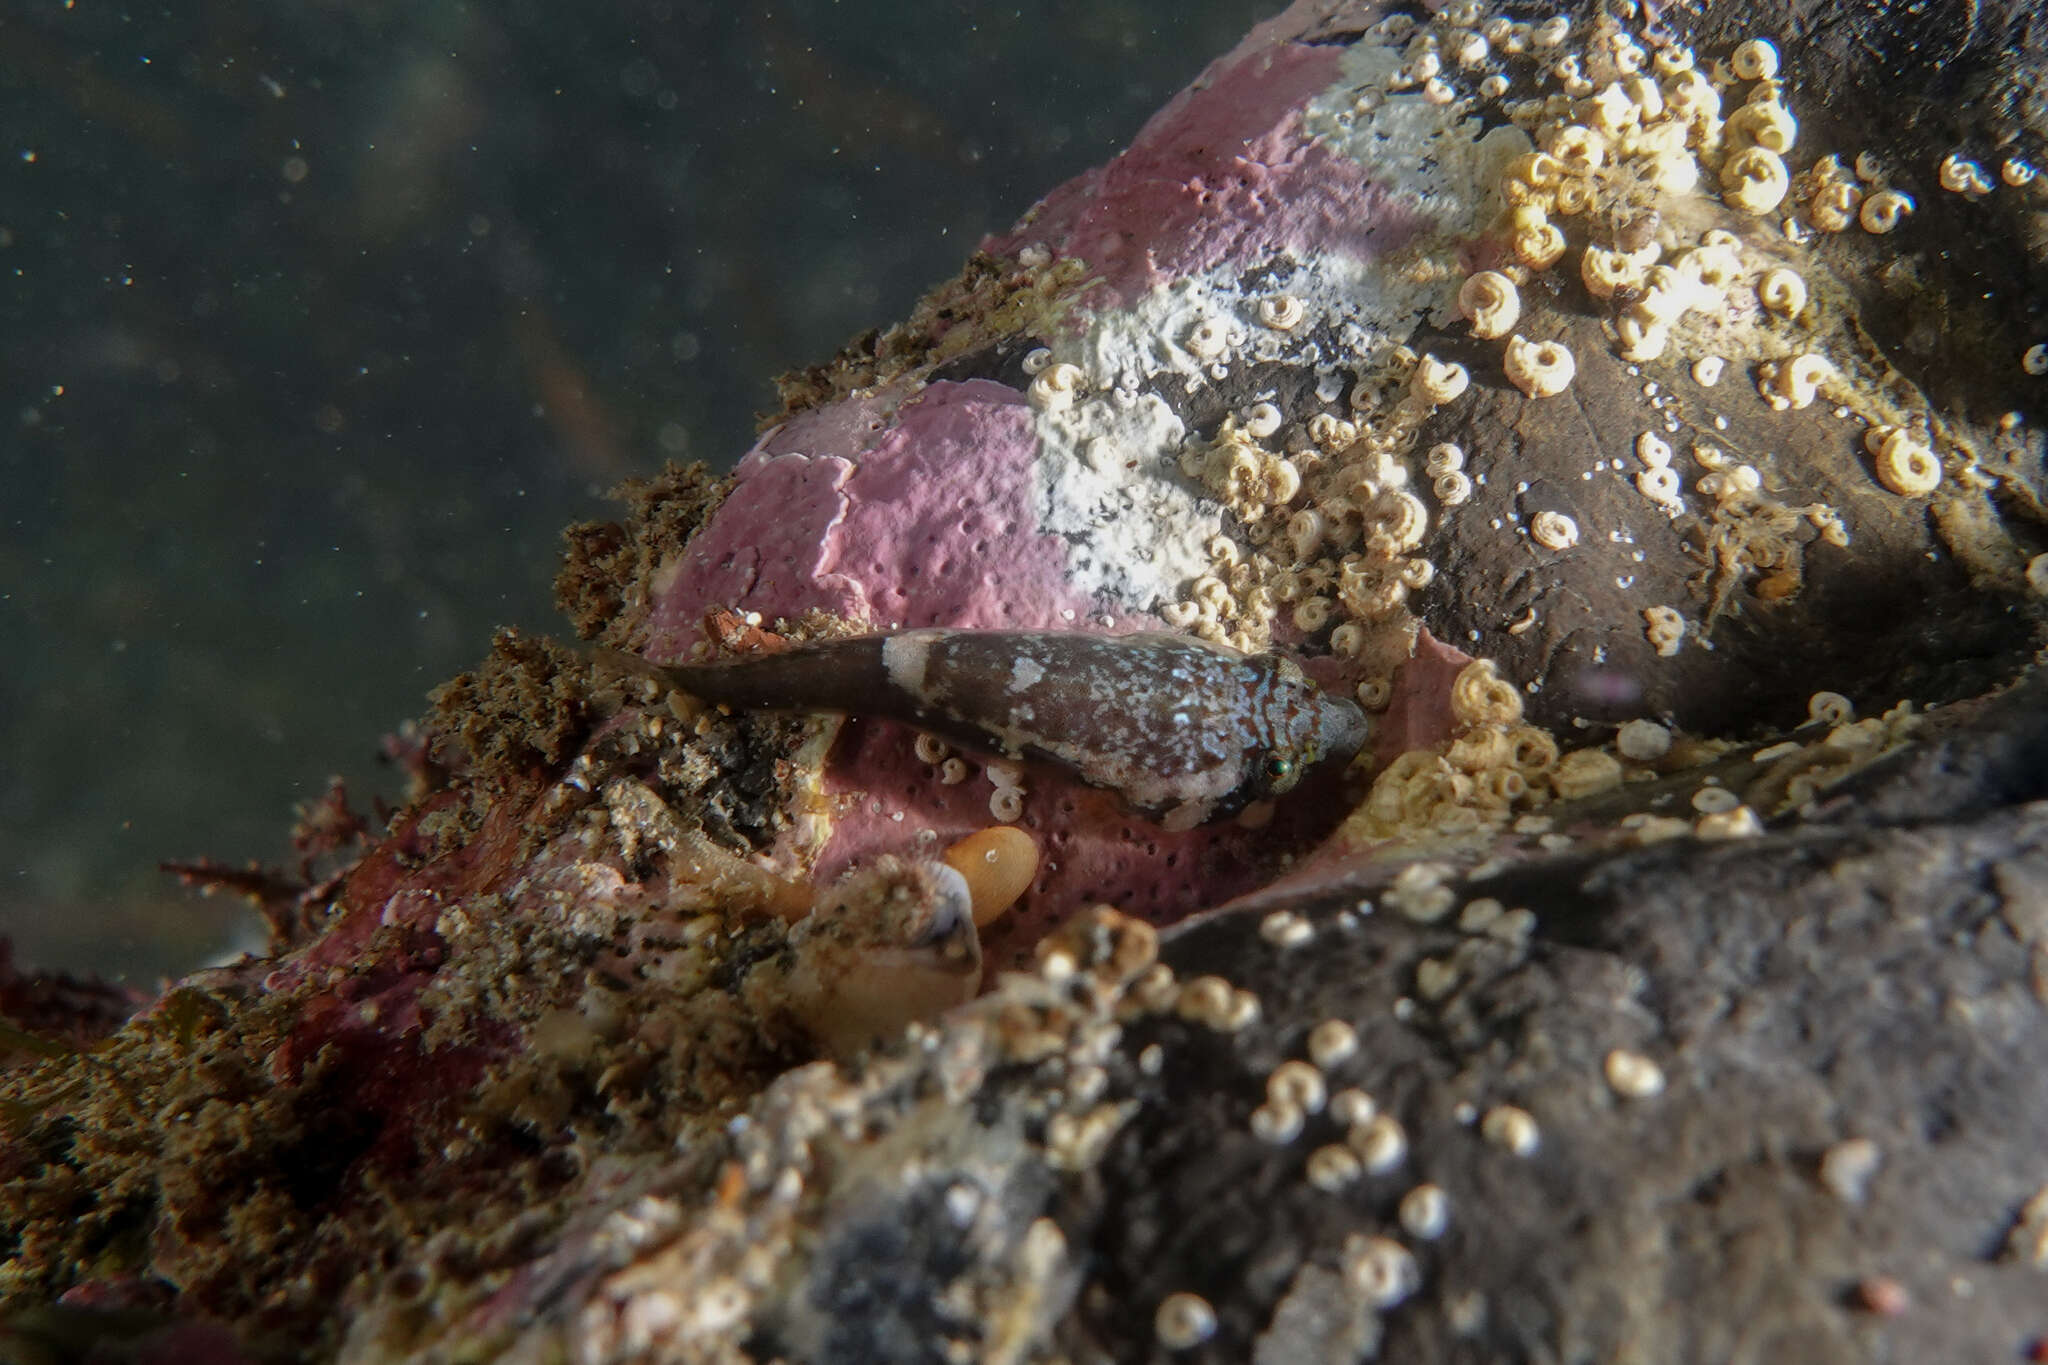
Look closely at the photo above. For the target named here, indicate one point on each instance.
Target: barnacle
(1540, 369)
(1903, 465)
(1782, 291)
(1438, 382)
(1312, 614)
(1452, 487)
(1054, 387)
(1664, 628)
(1794, 383)
(1711, 265)
(1659, 484)
(1480, 696)
(1399, 519)
(1960, 175)
(1492, 302)
(1767, 124)
(1208, 338)
(1755, 60)
(1604, 271)
(1882, 211)
(1643, 335)
(1538, 245)
(1554, 530)
(1305, 531)
(1834, 206)
(1532, 751)
(1586, 772)
(1644, 741)
(1282, 312)
(1754, 180)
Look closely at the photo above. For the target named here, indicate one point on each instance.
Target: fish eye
(1278, 767)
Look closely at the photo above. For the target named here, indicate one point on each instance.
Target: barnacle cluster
(1329, 528)
(1492, 765)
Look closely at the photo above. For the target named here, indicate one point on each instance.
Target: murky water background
(318, 322)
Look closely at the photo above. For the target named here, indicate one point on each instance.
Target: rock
(1515, 1041)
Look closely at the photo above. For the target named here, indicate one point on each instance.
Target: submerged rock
(1629, 995)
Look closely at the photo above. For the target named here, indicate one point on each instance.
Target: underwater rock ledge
(1615, 404)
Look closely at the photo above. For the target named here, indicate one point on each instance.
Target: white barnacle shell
(2034, 360)
(1578, 149)
(1754, 180)
(1480, 696)
(1960, 175)
(1586, 772)
(1261, 421)
(1208, 338)
(1492, 302)
(1574, 195)
(1755, 60)
(1664, 628)
(1612, 109)
(1643, 741)
(1659, 485)
(1536, 170)
(1796, 382)
(1904, 465)
(1437, 381)
(1443, 458)
(1540, 369)
(1604, 271)
(1312, 614)
(1782, 290)
(1767, 124)
(2017, 171)
(1305, 531)
(1553, 530)
(1453, 487)
(1282, 312)
(1668, 293)
(1539, 245)
(1643, 335)
(1653, 450)
(1054, 387)
(1690, 98)
(1714, 265)
(1331, 432)
(1834, 206)
(1401, 518)
(1673, 59)
(1882, 211)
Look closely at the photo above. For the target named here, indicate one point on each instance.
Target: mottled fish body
(1183, 730)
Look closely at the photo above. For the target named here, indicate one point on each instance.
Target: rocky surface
(1630, 999)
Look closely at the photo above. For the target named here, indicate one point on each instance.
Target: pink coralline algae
(907, 535)
(1222, 175)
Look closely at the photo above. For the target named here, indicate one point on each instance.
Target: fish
(1183, 730)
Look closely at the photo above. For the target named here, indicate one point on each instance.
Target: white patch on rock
(1109, 485)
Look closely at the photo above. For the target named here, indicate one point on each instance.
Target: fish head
(1304, 728)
